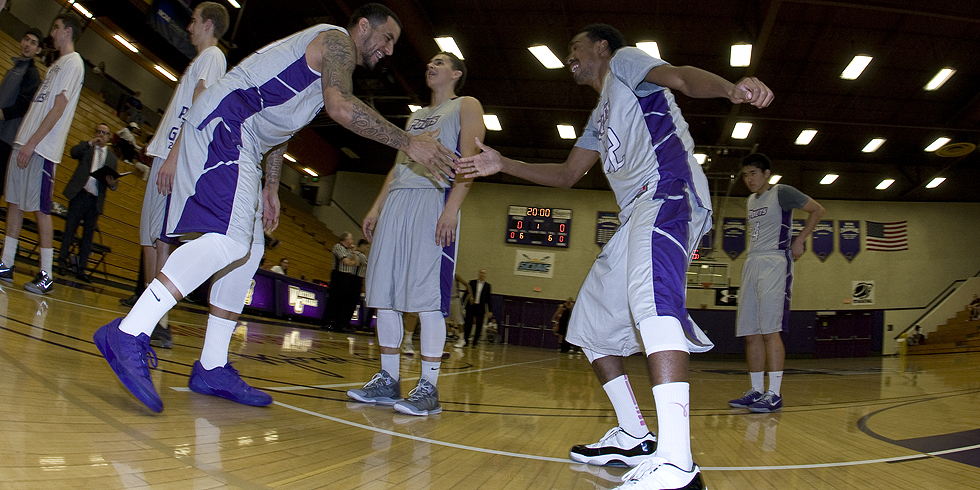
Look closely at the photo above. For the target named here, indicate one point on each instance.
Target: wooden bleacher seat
(958, 334)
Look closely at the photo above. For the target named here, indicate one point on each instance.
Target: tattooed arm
(338, 57)
(270, 191)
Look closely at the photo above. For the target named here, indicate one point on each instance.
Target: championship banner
(606, 224)
(733, 236)
(823, 239)
(849, 238)
(534, 264)
(798, 225)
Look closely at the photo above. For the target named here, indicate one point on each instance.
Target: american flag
(887, 237)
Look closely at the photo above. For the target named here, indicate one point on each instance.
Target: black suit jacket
(484, 298)
(84, 152)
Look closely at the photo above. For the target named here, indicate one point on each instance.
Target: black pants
(474, 314)
(5, 151)
(345, 289)
(81, 210)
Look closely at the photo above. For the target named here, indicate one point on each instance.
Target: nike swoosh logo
(154, 295)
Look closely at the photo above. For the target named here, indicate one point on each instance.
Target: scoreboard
(547, 227)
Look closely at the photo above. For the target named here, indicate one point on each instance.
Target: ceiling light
(546, 57)
(413, 107)
(829, 179)
(775, 179)
(741, 54)
(126, 43)
(163, 71)
(806, 136)
(310, 171)
(81, 10)
(491, 122)
(940, 78)
(855, 67)
(873, 145)
(235, 4)
(701, 158)
(935, 182)
(742, 130)
(566, 132)
(289, 157)
(651, 48)
(939, 143)
(885, 184)
(350, 153)
(449, 44)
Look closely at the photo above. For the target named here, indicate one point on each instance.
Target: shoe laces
(144, 355)
(768, 397)
(420, 391)
(611, 433)
(377, 380)
(231, 376)
(646, 467)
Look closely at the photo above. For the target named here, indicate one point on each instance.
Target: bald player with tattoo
(215, 182)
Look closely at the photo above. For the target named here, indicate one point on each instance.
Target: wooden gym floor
(511, 414)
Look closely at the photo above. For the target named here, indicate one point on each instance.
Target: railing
(932, 305)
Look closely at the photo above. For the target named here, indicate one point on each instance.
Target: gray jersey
(771, 218)
(410, 174)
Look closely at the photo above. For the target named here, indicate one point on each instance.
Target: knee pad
(433, 333)
(231, 284)
(663, 333)
(197, 260)
(390, 328)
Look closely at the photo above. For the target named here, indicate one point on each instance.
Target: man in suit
(476, 309)
(86, 196)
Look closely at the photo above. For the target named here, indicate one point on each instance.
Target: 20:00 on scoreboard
(547, 227)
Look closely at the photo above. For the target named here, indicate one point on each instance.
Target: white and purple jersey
(409, 174)
(641, 136)
(771, 218)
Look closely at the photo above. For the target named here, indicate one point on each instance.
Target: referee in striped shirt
(344, 288)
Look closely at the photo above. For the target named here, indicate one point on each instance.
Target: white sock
(430, 371)
(758, 381)
(674, 423)
(216, 341)
(775, 381)
(155, 302)
(47, 259)
(391, 363)
(624, 403)
(9, 250)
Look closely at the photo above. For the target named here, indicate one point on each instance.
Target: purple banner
(301, 298)
(262, 294)
(170, 19)
(823, 239)
(733, 236)
(798, 225)
(849, 233)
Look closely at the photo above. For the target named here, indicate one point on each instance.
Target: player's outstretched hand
(488, 162)
(431, 154)
(367, 226)
(270, 209)
(165, 178)
(751, 90)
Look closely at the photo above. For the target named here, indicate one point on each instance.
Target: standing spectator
(343, 281)
(127, 143)
(86, 197)
(478, 304)
(16, 92)
(282, 268)
(38, 148)
(559, 322)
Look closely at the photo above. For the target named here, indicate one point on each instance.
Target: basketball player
(647, 154)
(208, 23)
(37, 151)
(767, 278)
(413, 226)
(217, 191)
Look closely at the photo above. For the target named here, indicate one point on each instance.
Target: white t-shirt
(64, 76)
(209, 65)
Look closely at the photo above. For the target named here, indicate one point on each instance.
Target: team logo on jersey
(612, 159)
(423, 124)
(755, 213)
(299, 299)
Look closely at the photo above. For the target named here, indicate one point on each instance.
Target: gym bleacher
(958, 334)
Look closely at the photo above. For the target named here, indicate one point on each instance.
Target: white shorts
(217, 187)
(763, 299)
(408, 272)
(30, 188)
(641, 273)
(154, 208)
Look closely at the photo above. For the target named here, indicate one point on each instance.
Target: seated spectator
(127, 144)
(132, 109)
(282, 268)
(974, 308)
(916, 338)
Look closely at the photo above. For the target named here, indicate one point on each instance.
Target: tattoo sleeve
(273, 166)
(339, 60)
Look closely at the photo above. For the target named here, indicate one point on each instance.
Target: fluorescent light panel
(935, 182)
(566, 132)
(310, 171)
(873, 145)
(447, 43)
(546, 57)
(701, 158)
(289, 157)
(855, 67)
(742, 130)
(741, 54)
(775, 179)
(884, 184)
(939, 143)
(806, 136)
(163, 71)
(829, 179)
(651, 48)
(81, 10)
(235, 4)
(413, 107)
(940, 78)
(491, 122)
(125, 43)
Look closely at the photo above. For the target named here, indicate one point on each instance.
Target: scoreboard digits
(547, 227)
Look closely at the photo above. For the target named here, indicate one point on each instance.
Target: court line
(569, 461)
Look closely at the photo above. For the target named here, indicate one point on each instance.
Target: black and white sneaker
(616, 448)
(42, 284)
(6, 273)
(659, 474)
